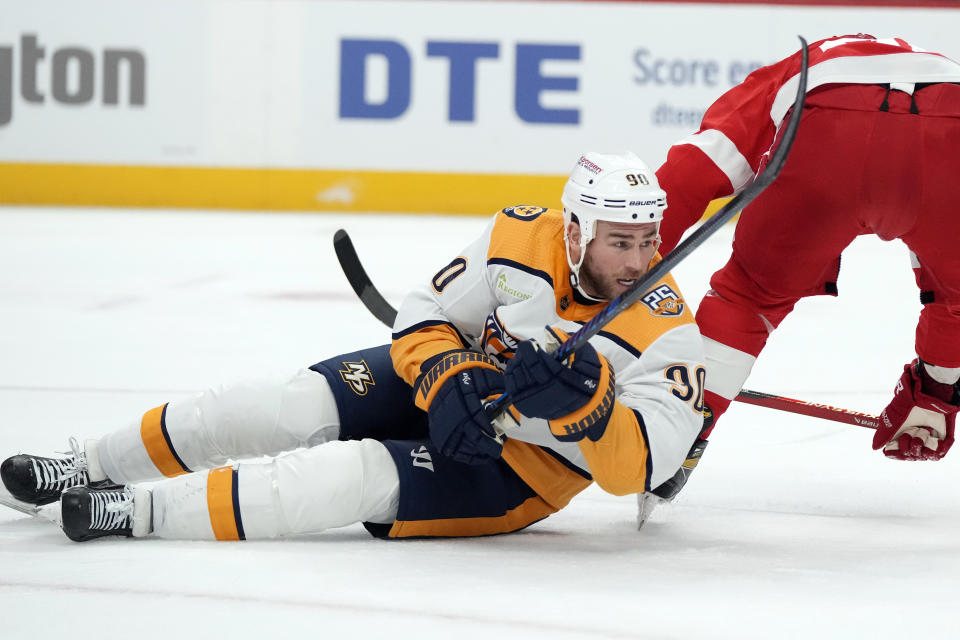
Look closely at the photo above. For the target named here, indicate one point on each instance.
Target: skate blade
(23, 507)
(48, 512)
(646, 503)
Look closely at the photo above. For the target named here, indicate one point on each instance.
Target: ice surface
(791, 526)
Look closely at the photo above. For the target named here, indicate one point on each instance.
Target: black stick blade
(360, 281)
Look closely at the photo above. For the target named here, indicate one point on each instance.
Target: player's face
(617, 256)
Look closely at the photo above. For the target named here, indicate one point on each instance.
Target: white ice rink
(792, 527)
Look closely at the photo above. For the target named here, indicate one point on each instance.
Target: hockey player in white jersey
(400, 441)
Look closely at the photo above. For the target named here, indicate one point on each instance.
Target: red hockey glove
(918, 423)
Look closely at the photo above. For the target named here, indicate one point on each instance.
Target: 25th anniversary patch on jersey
(664, 302)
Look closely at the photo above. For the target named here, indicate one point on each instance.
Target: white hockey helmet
(610, 187)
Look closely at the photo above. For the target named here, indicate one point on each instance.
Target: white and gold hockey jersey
(511, 283)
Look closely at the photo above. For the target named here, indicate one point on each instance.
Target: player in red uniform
(874, 154)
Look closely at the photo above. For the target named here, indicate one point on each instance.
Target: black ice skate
(90, 513)
(39, 481)
(667, 491)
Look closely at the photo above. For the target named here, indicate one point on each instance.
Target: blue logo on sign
(463, 58)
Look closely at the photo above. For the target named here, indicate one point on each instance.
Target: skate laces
(61, 473)
(111, 509)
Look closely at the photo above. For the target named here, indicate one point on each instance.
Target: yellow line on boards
(275, 189)
(272, 189)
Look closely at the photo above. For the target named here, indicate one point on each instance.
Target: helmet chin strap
(575, 269)
(575, 283)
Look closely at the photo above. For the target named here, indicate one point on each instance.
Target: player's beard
(602, 287)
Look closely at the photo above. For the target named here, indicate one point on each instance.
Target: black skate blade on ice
(8, 500)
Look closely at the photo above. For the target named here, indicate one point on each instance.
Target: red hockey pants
(853, 170)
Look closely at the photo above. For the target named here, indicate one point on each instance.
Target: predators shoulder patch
(663, 302)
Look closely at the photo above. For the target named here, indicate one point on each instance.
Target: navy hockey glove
(575, 396)
(453, 388)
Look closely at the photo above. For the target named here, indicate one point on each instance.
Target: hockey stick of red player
(385, 313)
(376, 304)
(698, 237)
(806, 408)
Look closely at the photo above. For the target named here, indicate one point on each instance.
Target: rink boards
(454, 107)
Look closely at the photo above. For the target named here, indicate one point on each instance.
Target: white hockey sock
(727, 368)
(141, 520)
(91, 453)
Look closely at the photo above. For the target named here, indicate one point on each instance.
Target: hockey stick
(698, 237)
(382, 309)
(803, 407)
(385, 313)
(360, 281)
